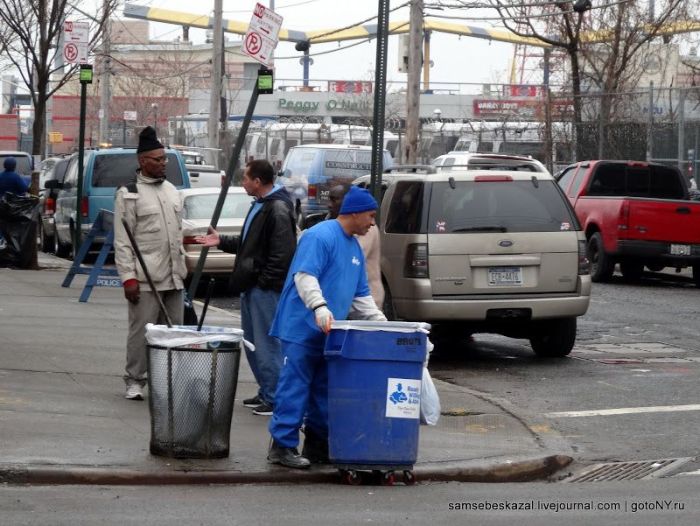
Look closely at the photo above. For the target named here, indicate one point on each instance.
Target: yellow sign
(55, 137)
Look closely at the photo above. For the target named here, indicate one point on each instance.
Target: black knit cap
(148, 140)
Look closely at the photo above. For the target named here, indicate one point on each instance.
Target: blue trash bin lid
(393, 326)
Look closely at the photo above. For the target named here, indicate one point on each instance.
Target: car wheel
(632, 271)
(602, 265)
(60, 249)
(555, 338)
(449, 339)
(696, 274)
(47, 242)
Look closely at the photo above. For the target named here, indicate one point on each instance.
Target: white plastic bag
(429, 400)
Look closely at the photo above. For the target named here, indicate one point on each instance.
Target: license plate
(503, 276)
(680, 250)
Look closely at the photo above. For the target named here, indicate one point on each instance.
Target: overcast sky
(455, 59)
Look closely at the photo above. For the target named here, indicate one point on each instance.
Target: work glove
(132, 290)
(324, 317)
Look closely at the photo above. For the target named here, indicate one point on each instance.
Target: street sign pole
(260, 42)
(85, 79)
(232, 164)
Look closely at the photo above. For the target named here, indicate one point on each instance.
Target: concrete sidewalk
(64, 418)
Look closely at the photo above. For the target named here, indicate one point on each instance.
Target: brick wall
(9, 128)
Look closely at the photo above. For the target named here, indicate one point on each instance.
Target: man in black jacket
(264, 251)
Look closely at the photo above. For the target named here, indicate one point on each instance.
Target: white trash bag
(429, 399)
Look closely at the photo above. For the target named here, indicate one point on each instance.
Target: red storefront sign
(349, 86)
(522, 108)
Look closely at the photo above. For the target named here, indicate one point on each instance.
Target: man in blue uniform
(326, 281)
(11, 181)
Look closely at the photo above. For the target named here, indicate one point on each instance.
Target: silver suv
(484, 251)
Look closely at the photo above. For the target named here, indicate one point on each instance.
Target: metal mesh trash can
(192, 379)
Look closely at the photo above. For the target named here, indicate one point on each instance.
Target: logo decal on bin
(403, 398)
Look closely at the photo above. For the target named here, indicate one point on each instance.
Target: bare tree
(30, 41)
(619, 25)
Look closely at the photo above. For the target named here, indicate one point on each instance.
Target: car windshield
(499, 206)
(202, 206)
(112, 170)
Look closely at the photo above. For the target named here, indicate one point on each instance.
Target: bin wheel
(350, 477)
(388, 479)
(409, 478)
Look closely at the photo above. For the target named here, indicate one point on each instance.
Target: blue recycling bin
(374, 382)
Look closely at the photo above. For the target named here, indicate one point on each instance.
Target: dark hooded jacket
(264, 256)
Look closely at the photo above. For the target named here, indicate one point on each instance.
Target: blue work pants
(258, 308)
(302, 390)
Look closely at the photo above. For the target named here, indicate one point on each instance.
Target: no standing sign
(261, 39)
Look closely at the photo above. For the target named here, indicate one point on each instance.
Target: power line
(513, 17)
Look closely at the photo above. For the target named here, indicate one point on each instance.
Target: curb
(496, 470)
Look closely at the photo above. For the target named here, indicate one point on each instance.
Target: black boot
(287, 456)
(315, 448)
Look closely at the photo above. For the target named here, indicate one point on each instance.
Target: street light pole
(217, 74)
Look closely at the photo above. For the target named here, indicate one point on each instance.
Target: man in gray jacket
(151, 207)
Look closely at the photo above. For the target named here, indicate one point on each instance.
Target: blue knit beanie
(357, 200)
(10, 164)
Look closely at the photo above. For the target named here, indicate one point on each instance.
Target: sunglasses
(162, 159)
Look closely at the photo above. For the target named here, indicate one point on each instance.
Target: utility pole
(216, 76)
(413, 92)
(681, 130)
(105, 78)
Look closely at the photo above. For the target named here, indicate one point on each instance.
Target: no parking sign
(261, 39)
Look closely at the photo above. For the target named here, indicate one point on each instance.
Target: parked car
(311, 170)
(205, 175)
(636, 214)
(484, 251)
(198, 209)
(486, 161)
(52, 169)
(104, 171)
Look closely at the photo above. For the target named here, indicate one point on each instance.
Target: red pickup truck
(636, 214)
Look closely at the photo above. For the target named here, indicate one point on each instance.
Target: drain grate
(637, 470)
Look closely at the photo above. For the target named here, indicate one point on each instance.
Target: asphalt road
(637, 351)
(669, 501)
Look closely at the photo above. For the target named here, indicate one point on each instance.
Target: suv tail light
(50, 206)
(312, 191)
(416, 264)
(584, 265)
(84, 207)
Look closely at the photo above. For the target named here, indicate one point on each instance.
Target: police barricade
(98, 276)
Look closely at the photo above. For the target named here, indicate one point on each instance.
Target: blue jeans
(302, 395)
(258, 308)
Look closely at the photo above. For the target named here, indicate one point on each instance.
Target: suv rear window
(511, 206)
(406, 209)
(112, 170)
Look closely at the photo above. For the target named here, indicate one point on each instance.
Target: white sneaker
(134, 392)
